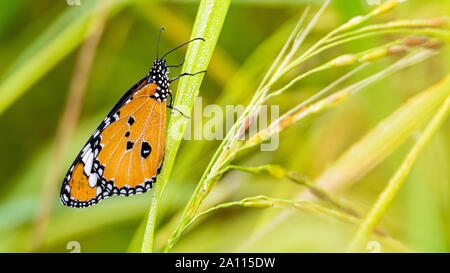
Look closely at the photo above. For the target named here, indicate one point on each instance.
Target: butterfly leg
(170, 95)
(186, 74)
(173, 108)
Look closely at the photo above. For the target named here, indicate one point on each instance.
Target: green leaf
(208, 24)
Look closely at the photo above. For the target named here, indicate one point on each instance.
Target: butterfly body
(125, 153)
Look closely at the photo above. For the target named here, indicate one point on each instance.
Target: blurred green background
(419, 218)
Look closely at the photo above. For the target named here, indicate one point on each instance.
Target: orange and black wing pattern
(125, 153)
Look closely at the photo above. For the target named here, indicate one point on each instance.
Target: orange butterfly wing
(125, 153)
(133, 146)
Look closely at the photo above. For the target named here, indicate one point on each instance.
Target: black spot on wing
(145, 149)
(131, 120)
(130, 145)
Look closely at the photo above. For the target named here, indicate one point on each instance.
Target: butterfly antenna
(159, 38)
(178, 65)
(182, 46)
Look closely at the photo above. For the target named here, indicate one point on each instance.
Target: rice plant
(362, 138)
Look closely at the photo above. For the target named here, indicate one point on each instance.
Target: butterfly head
(159, 74)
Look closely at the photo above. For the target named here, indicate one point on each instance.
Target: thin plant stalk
(208, 24)
(279, 172)
(285, 47)
(403, 24)
(303, 206)
(305, 109)
(390, 192)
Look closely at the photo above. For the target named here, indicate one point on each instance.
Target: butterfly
(125, 153)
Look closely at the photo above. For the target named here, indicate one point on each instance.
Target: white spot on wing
(88, 163)
(86, 155)
(93, 180)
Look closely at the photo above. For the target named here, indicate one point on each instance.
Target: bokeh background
(419, 218)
